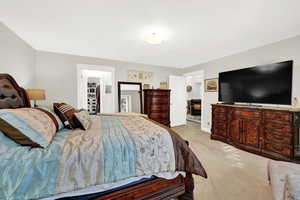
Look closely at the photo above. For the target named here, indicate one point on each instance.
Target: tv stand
(268, 131)
(228, 103)
(247, 104)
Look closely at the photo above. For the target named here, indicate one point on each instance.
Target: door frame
(102, 68)
(202, 73)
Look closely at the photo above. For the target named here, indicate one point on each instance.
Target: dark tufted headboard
(11, 94)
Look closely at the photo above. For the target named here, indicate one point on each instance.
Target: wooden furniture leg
(189, 188)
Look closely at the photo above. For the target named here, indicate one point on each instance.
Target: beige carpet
(233, 174)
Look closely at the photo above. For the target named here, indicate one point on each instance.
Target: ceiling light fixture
(155, 35)
(153, 38)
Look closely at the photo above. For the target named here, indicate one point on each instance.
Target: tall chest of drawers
(157, 105)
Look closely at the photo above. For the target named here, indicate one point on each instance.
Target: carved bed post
(189, 185)
(189, 188)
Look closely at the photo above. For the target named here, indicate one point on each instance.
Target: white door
(177, 100)
(82, 90)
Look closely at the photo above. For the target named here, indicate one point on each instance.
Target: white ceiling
(199, 30)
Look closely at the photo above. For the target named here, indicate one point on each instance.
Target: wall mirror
(130, 97)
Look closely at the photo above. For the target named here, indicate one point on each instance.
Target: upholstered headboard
(11, 94)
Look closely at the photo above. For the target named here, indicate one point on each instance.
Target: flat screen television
(266, 84)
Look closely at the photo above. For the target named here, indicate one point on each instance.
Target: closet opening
(95, 89)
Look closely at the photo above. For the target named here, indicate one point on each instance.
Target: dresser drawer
(247, 113)
(220, 109)
(160, 93)
(158, 100)
(278, 127)
(220, 128)
(278, 148)
(219, 116)
(159, 115)
(277, 137)
(278, 116)
(220, 124)
(163, 108)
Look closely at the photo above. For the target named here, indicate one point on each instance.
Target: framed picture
(132, 75)
(211, 85)
(139, 76)
(148, 76)
(108, 89)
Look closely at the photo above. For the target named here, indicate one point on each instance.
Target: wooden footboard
(158, 189)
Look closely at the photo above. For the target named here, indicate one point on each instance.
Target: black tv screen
(267, 84)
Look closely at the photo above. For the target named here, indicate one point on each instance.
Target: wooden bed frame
(13, 96)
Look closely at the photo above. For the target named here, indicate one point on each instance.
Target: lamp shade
(36, 94)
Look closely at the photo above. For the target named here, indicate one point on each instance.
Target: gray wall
(57, 74)
(280, 51)
(17, 58)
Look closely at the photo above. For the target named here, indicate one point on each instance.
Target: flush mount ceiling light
(155, 35)
(153, 38)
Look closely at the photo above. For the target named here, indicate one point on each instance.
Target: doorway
(95, 88)
(194, 96)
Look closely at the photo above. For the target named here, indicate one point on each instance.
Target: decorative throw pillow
(84, 119)
(29, 126)
(66, 113)
(52, 113)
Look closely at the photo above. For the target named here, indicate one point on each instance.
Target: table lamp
(36, 94)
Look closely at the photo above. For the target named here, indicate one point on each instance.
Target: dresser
(267, 131)
(157, 105)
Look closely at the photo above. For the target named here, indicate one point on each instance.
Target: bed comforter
(113, 149)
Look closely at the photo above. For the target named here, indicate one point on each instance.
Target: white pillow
(84, 119)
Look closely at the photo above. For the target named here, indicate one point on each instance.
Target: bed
(166, 176)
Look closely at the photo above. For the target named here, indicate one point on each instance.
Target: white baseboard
(206, 129)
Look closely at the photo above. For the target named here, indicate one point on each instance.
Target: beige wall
(17, 58)
(281, 51)
(56, 73)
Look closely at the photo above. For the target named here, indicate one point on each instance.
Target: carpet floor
(233, 174)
